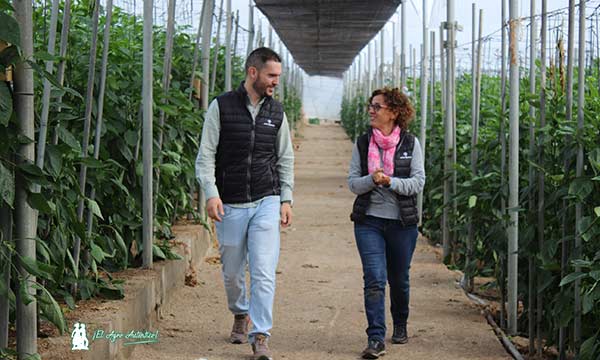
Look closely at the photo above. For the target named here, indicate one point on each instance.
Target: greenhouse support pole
(271, 44)
(442, 72)
(6, 226)
(382, 59)
(60, 70)
(166, 84)
(89, 99)
(531, 178)
(206, 39)
(228, 46)
(43, 129)
(394, 77)
(424, 85)
(414, 72)
(197, 49)
(100, 101)
(213, 75)
(513, 173)
(541, 176)
(237, 30)
(448, 126)
(502, 136)
(369, 70)
(24, 215)
(564, 265)
(281, 85)
(250, 27)
(147, 138)
(403, 44)
(432, 86)
(471, 230)
(579, 173)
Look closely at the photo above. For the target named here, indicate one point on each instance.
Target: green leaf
(55, 157)
(74, 268)
(97, 253)
(50, 309)
(94, 208)
(9, 29)
(44, 74)
(112, 294)
(572, 277)
(6, 105)
(31, 169)
(7, 185)
(33, 268)
(6, 6)
(91, 163)
(169, 169)
(39, 202)
(69, 301)
(65, 136)
(587, 304)
(581, 188)
(597, 211)
(131, 138)
(157, 252)
(24, 294)
(472, 201)
(33, 357)
(95, 268)
(588, 348)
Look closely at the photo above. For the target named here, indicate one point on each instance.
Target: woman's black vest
(246, 161)
(402, 159)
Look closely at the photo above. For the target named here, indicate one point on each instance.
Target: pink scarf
(388, 145)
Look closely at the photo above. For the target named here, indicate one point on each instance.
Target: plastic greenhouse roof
(324, 36)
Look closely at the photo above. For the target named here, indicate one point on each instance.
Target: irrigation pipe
(504, 340)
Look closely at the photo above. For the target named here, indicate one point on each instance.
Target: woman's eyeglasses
(375, 107)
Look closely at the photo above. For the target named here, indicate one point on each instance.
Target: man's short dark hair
(259, 57)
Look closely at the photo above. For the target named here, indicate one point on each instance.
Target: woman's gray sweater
(384, 203)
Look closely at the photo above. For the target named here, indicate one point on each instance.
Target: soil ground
(319, 311)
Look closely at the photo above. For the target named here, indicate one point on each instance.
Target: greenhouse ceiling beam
(324, 36)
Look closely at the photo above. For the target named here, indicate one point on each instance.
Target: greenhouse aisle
(319, 308)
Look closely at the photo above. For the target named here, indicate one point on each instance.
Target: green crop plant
(479, 198)
(115, 241)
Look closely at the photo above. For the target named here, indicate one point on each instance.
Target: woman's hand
(380, 178)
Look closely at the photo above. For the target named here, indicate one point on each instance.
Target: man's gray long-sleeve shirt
(206, 159)
(384, 203)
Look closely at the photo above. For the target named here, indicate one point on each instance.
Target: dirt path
(319, 310)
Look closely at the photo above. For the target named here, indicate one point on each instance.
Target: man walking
(245, 166)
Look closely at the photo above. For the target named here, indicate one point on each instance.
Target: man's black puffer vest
(402, 159)
(246, 164)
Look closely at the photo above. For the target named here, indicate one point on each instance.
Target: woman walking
(386, 173)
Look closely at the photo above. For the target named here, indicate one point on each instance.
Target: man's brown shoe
(239, 332)
(260, 348)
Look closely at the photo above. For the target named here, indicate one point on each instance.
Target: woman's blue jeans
(386, 249)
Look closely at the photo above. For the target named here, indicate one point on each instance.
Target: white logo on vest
(269, 123)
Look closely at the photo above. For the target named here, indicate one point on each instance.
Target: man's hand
(286, 214)
(214, 208)
(380, 178)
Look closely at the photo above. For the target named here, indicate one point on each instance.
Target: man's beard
(260, 88)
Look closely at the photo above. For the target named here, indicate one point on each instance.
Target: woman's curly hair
(397, 101)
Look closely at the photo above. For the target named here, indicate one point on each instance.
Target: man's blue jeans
(386, 249)
(251, 236)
